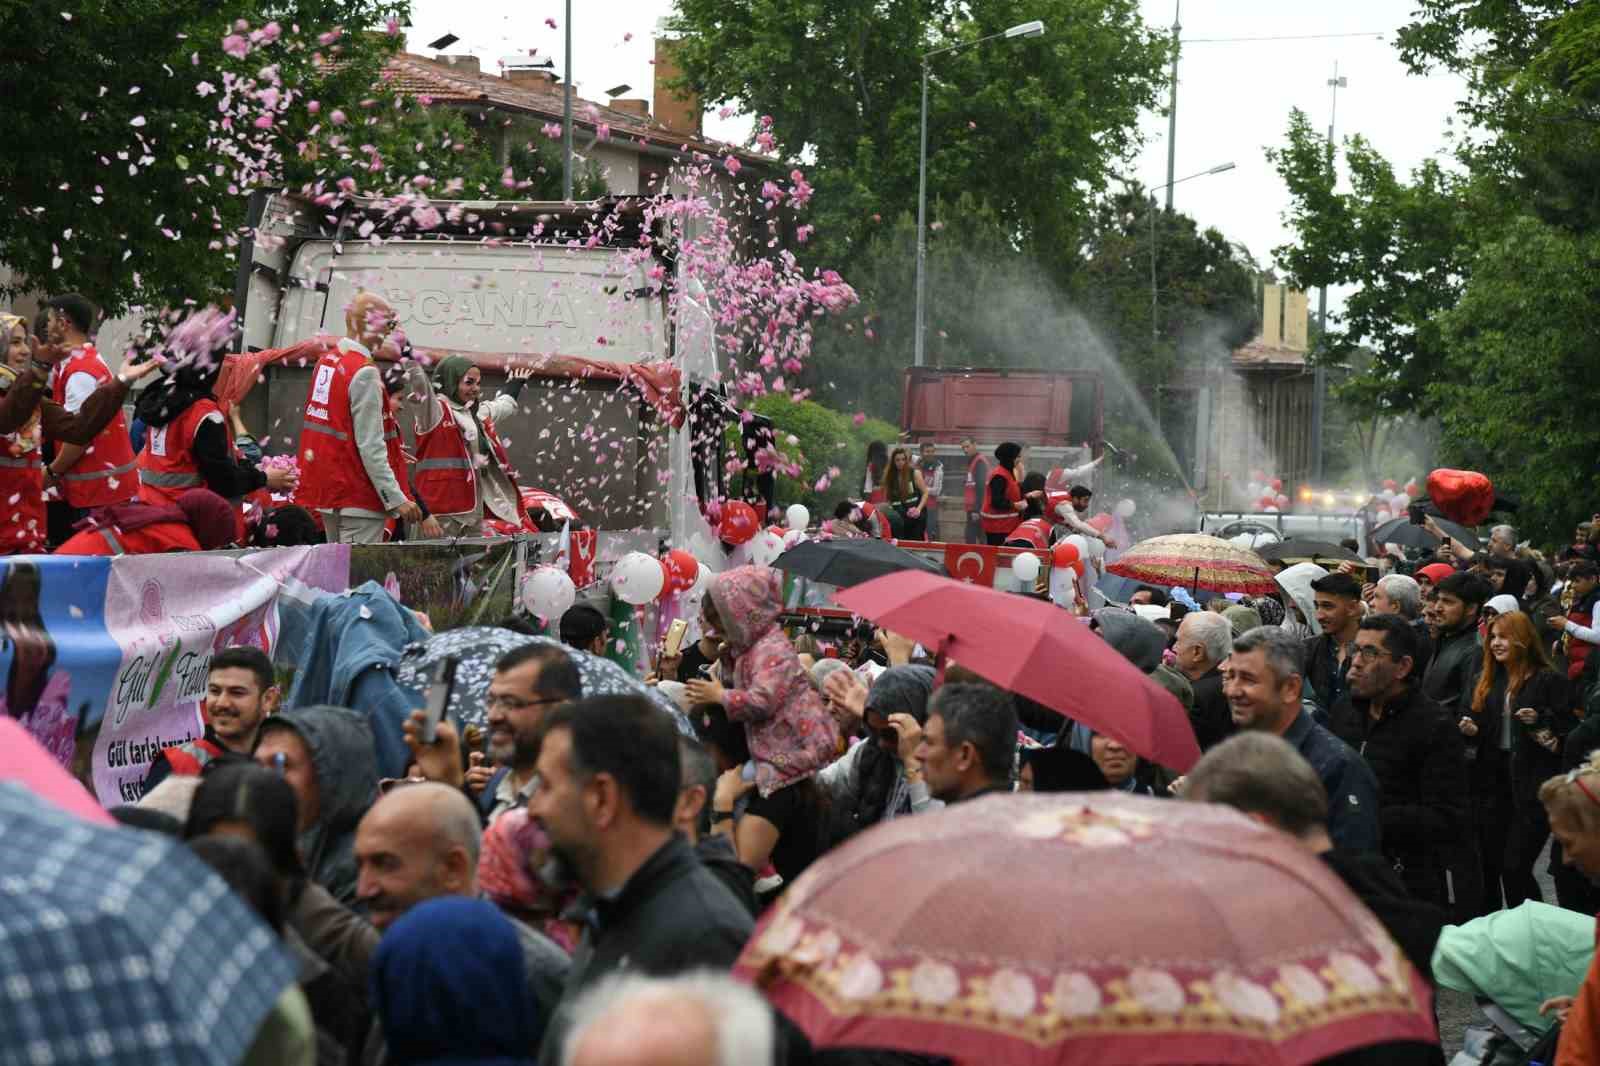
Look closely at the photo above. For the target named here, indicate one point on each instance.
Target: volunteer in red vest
(241, 691)
(463, 474)
(101, 472)
(1003, 503)
(199, 520)
(189, 443)
(1035, 529)
(977, 477)
(352, 466)
(1579, 626)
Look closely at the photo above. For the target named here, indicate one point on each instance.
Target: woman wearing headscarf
(1004, 502)
(463, 475)
(879, 778)
(199, 520)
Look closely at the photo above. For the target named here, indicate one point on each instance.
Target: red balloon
(1064, 554)
(739, 522)
(1277, 484)
(1464, 496)
(1411, 488)
(1267, 501)
(1391, 485)
(1282, 500)
(681, 569)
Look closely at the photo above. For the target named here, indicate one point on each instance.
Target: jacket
(1351, 787)
(1518, 958)
(1531, 762)
(1211, 718)
(154, 539)
(446, 470)
(1419, 759)
(336, 467)
(791, 734)
(1414, 924)
(340, 743)
(340, 937)
(1000, 521)
(103, 474)
(188, 758)
(1295, 582)
(672, 916)
(977, 477)
(1447, 676)
(716, 854)
(1324, 672)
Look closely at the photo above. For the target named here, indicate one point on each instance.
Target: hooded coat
(791, 733)
(1296, 581)
(342, 756)
(868, 785)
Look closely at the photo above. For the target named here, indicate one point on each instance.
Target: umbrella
(1034, 648)
(121, 947)
(1196, 561)
(1120, 929)
(1400, 531)
(844, 563)
(478, 648)
(1306, 551)
(25, 761)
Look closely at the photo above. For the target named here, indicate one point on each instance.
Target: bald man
(352, 468)
(699, 1019)
(420, 841)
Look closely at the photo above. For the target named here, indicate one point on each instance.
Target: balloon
(1254, 488)
(1064, 553)
(1026, 568)
(1270, 510)
(682, 570)
(1464, 496)
(1391, 484)
(1281, 500)
(548, 592)
(738, 523)
(1400, 503)
(765, 548)
(638, 578)
(1277, 484)
(1126, 508)
(797, 517)
(1267, 503)
(1412, 488)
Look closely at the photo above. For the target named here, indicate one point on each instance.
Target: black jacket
(1324, 673)
(1454, 657)
(672, 915)
(1531, 762)
(1414, 924)
(1212, 721)
(1419, 758)
(716, 854)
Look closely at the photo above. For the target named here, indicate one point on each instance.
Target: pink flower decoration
(1076, 995)
(935, 982)
(1012, 994)
(1157, 992)
(862, 979)
(731, 165)
(337, 117)
(236, 46)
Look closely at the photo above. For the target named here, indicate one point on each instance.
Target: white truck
(504, 284)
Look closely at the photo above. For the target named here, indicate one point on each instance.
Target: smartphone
(1370, 575)
(440, 685)
(673, 645)
(1414, 513)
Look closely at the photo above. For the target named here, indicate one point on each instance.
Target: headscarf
(447, 379)
(898, 690)
(449, 983)
(1270, 610)
(1243, 619)
(1063, 770)
(208, 516)
(166, 399)
(514, 848)
(1007, 454)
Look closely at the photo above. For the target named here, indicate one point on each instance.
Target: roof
(414, 75)
(1258, 355)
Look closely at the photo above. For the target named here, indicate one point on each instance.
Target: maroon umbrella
(1036, 649)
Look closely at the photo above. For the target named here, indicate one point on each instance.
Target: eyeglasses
(1370, 653)
(511, 703)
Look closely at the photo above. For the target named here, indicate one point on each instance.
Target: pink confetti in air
(550, 22)
(731, 165)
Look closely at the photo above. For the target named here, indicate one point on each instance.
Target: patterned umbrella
(1123, 929)
(1195, 561)
(121, 947)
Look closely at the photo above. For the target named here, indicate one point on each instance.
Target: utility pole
(1172, 107)
(566, 116)
(1319, 376)
(918, 343)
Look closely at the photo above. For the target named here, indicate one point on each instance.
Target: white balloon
(1400, 502)
(1026, 568)
(1269, 510)
(765, 547)
(1254, 490)
(1063, 586)
(1126, 508)
(637, 578)
(793, 537)
(548, 592)
(797, 517)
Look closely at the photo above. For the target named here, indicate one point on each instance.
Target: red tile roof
(415, 75)
(1258, 355)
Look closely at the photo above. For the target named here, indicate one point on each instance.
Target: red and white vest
(146, 540)
(167, 467)
(994, 521)
(1035, 533)
(969, 491)
(103, 475)
(22, 514)
(447, 471)
(331, 473)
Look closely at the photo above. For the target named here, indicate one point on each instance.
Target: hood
(1242, 619)
(902, 690)
(1504, 603)
(1296, 584)
(749, 600)
(346, 764)
(1139, 641)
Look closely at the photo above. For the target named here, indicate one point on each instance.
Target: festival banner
(462, 582)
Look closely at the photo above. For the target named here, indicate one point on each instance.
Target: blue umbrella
(121, 947)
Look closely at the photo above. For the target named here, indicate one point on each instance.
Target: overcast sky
(1233, 98)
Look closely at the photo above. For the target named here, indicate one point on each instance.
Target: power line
(1295, 37)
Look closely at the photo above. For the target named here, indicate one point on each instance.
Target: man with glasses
(1414, 750)
(527, 682)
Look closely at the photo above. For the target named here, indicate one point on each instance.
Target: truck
(1058, 416)
(507, 283)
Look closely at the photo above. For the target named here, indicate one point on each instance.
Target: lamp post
(1024, 29)
(1155, 331)
(1319, 374)
(566, 115)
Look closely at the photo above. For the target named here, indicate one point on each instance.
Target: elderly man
(651, 1021)
(353, 468)
(1204, 641)
(1263, 681)
(969, 742)
(1400, 595)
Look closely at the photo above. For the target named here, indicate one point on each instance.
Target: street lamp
(566, 114)
(1155, 333)
(1022, 29)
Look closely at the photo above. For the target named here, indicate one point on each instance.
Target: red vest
(22, 515)
(994, 521)
(1035, 533)
(103, 475)
(1578, 651)
(447, 472)
(148, 540)
(190, 758)
(331, 473)
(167, 468)
(969, 491)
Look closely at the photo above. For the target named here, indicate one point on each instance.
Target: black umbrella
(1306, 551)
(1400, 531)
(847, 562)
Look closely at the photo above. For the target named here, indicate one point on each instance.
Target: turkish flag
(580, 566)
(972, 563)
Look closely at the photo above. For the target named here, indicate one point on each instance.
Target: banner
(462, 582)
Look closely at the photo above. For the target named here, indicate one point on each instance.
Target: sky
(1234, 97)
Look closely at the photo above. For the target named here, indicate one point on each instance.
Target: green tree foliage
(824, 439)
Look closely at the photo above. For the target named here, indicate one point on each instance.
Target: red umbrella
(1034, 648)
(1082, 929)
(25, 761)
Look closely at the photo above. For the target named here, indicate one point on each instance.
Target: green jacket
(1517, 958)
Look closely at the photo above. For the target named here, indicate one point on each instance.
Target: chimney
(1272, 315)
(459, 64)
(530, 77)
(637, 108)
(678, 111)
